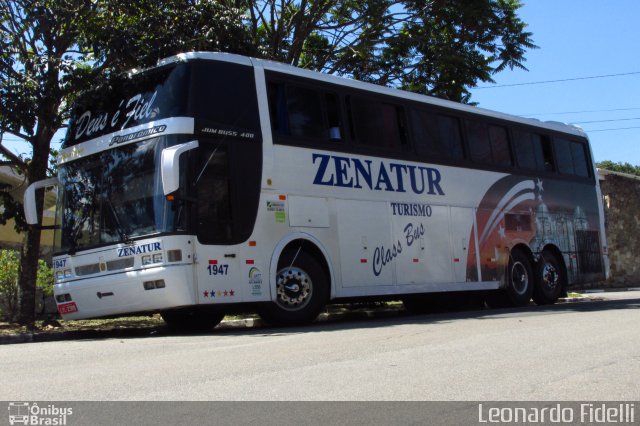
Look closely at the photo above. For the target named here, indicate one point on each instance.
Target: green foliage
(9, 289)
(619, 167)
(437, 47)
(9, 267)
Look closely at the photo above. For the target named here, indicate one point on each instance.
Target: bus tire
(302, 290)
(520, 279)
(550, 280)
(193, 319)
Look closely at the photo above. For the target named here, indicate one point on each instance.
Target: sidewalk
(334, 313)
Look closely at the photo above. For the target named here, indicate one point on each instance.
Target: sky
(577, 39)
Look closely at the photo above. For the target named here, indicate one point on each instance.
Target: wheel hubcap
(294, 289)
(550, 276)
(519, 278)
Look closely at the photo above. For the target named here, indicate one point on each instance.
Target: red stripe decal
(250, 262)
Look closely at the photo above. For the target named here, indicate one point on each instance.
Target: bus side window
(333, 117)
(479, 145)
(500, 149)
(533, 151)
(563, 156)
(580, 163)
(547, 152)
(436, 136)
(376, 124)
(571, 157)
(305, 112)
(278, 108)
(425, 133)
(450, 137)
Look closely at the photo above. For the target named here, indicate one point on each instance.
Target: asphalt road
(580, 351)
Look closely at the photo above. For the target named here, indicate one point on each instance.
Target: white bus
(214, 181)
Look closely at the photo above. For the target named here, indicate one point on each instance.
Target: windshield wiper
(206, 164)
(123, 235)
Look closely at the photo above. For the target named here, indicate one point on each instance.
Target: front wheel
(549, 281)
(302, 290)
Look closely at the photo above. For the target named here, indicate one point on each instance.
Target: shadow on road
(344, 320)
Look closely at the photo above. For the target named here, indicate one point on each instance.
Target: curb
(248, 322)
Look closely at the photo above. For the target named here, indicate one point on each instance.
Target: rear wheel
(520, 279)
(302, 290)
(199, 318)
(550, 279)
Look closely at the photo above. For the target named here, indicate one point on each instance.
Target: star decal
(206, 293)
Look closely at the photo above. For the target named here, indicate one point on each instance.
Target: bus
(215, 181)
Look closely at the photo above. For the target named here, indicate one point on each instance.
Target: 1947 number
(218, 269)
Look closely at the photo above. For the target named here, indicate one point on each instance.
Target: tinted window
(436, 136)
(524, 149)
(500, 146)
(450, 136)
(376, 123)
(543, 143)
(479, 145)
(225, 179)
(126, 102)
(571, 157)
(580, 163)
(533, 151)
(303, 112)
(563, 156)
(224, 95)
(198, 89)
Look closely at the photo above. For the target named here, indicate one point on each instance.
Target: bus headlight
(60, 275)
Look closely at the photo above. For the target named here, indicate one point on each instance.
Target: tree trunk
(37, 170)
(28, 275)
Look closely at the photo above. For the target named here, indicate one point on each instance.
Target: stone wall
(621, 193)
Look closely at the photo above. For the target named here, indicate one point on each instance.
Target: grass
(56, 326)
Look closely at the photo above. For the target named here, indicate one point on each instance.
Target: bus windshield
(114, 196)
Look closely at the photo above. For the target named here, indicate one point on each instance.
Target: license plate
(67, 308)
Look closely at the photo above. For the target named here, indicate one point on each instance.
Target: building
(9, 238)
(621, 195)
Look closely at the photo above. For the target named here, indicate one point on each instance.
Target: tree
(437, 47)
(36, 44)
(49, 54)
(619, 167)
(52, 50)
